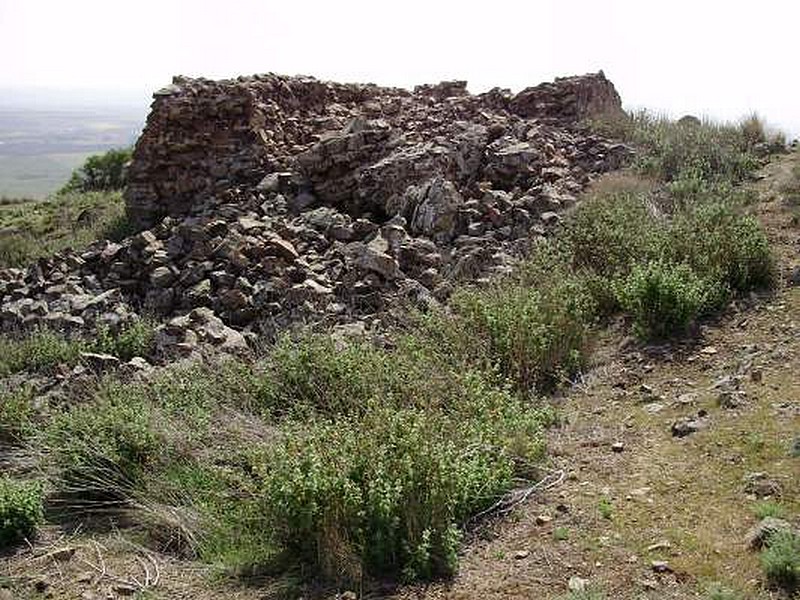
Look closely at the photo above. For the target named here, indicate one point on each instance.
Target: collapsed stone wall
(204, 136)
(269, 200)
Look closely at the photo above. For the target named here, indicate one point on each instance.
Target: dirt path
(635, 496)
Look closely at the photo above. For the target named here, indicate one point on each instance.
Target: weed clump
(21, 510)
(44, 349)
(780, 560)
(662, 298)
(380, 480)
(16, 415)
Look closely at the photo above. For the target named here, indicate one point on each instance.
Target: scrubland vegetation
(355, 459)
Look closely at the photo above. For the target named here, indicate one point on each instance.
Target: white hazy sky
(722, 58)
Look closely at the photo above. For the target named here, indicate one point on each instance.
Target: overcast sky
(709, 57)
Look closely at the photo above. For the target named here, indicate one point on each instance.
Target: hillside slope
(681, 500)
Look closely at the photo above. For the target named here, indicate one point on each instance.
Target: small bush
(723, 246)
(101, 172)
(535, 336)
(388, 461)
(134, 340)
(611, 233)
(663, 298)
(781, 560)
(20, 510)
(16, 415)
(312, 374)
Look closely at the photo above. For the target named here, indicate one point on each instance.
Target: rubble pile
(268, 200)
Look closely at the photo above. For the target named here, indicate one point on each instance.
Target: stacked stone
(270, 200)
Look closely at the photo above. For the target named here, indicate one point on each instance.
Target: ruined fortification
(266, 200)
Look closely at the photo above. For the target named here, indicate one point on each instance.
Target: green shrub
(20, 510)
(663, 298)
(781, 560)
(311, 373)
(16, 414)
(395, 449)
(723, 246)
(135, 339)
(534, 336)
(42, 349)
(673, 150)
(101, 172)
(609, 234)
(386, 493)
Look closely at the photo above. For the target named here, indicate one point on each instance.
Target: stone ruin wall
(268, 201)
(204, 136)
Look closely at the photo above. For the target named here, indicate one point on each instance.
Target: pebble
(660, 566)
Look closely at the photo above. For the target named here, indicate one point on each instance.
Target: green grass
(780, 560)
(44, 349)
(21, 510)
(73, 220)
(768, 508)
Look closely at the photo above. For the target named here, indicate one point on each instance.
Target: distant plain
(39, 147)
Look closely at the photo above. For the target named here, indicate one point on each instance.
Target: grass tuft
(780, 560)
